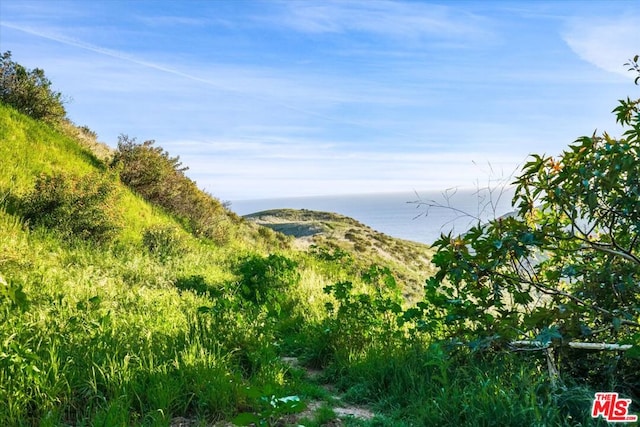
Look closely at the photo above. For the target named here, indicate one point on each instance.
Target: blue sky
(297, 98)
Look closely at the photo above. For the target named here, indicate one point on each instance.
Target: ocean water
(418, 216)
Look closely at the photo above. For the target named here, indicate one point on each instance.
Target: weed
(164, 241)
(270, 408)
(265, 280)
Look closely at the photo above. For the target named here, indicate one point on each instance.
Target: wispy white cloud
(605, 43)
(285, 89)
(405, 20)
(255, 178)
(39, 10)
(70, 41)
(251, 169)
(173, 20)
(316, 97)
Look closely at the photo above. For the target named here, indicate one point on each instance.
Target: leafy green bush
(80, 207)
(564, 268)
(265, 280)
(331, 254)
(29, 91)
(149, 171)
(363, 320)
(273, 238)
(568, 261)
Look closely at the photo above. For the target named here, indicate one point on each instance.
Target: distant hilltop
(331, 230)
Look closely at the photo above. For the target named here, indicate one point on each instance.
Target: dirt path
(341, 409)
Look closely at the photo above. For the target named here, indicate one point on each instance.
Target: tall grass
(431, 386)
(98, 343)
(30, 147)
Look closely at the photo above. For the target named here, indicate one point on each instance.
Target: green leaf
(616, 323)
(585, 330)
(548, 334)
(245, 419)
(633, 352)
(522, 297)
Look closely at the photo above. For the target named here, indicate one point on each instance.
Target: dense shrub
(74, 206)
(149, 170)
(160, 179)
(265, 280)
(29, 91)
(361, 320)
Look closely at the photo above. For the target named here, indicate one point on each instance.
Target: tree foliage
(567, 266)
(29, 91)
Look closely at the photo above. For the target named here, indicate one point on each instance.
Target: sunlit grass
(30, 147)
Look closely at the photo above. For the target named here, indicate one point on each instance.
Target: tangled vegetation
(566, 268)
(184, 311)
(76, 207)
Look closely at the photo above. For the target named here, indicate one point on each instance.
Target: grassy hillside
(114, 333)
(158, 325)
(31, 148)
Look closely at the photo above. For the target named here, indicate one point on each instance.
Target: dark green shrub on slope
(80, 207)
(29, 91)
(160, 179)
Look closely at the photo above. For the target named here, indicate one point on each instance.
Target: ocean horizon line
(394, 213)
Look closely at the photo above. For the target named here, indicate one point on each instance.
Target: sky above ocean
(421, 216)
(265, 99)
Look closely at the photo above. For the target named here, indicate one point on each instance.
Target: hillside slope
(411, 261)
(158, 323)
(30, 148)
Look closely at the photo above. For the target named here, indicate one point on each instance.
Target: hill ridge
(310, 228)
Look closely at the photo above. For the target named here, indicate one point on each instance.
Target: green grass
(30, 147)
(113, 334)
(104, 332)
